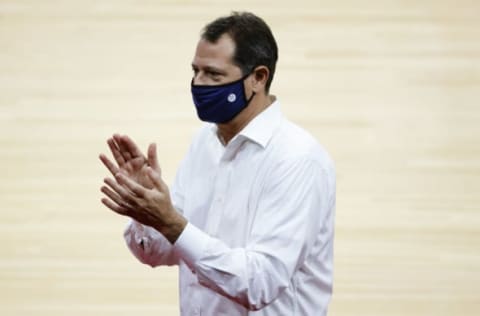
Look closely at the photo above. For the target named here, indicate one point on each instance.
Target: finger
(121, 191)
(123, 149)
(116, 152)
(110, 165)
(152, 157)
(132, 147)
(114, 207)
(115, 197)
(136, 188)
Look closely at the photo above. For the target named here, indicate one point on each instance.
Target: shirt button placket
(220, 190)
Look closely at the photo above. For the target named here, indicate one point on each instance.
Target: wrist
(173, 228)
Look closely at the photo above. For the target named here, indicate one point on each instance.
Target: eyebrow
(210, 69)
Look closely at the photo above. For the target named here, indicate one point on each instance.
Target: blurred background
(390, 88)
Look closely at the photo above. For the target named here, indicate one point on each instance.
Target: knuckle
(125, 204)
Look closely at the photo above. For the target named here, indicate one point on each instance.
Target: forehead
(218, 54)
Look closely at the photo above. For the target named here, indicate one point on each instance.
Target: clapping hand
(130, 160)
(138, 190)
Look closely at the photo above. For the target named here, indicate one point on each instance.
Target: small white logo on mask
(231, 97)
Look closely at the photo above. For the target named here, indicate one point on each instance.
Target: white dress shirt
(261, 220)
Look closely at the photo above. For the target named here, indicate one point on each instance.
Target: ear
(260, 77)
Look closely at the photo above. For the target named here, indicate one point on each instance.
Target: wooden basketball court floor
(391, 88)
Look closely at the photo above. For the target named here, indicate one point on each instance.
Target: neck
(226, 131)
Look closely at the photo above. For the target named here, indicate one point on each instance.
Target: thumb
(152, 157)
(156, 179)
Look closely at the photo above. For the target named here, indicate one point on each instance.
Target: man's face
(213, 62)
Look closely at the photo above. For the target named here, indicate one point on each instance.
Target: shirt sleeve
(148, 245)
(293, 204)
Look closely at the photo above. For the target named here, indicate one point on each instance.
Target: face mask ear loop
(253, 93)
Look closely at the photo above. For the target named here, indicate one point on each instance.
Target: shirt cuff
(191, 245)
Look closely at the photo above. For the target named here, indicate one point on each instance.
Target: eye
(214, 75)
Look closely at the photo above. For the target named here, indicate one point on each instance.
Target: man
(249, 220)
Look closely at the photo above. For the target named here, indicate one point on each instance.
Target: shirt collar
(260, 129)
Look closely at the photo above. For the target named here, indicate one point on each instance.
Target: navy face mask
(220, 103)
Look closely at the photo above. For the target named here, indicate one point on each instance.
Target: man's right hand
(130, 160)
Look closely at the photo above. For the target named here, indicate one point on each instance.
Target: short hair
(254, 41)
